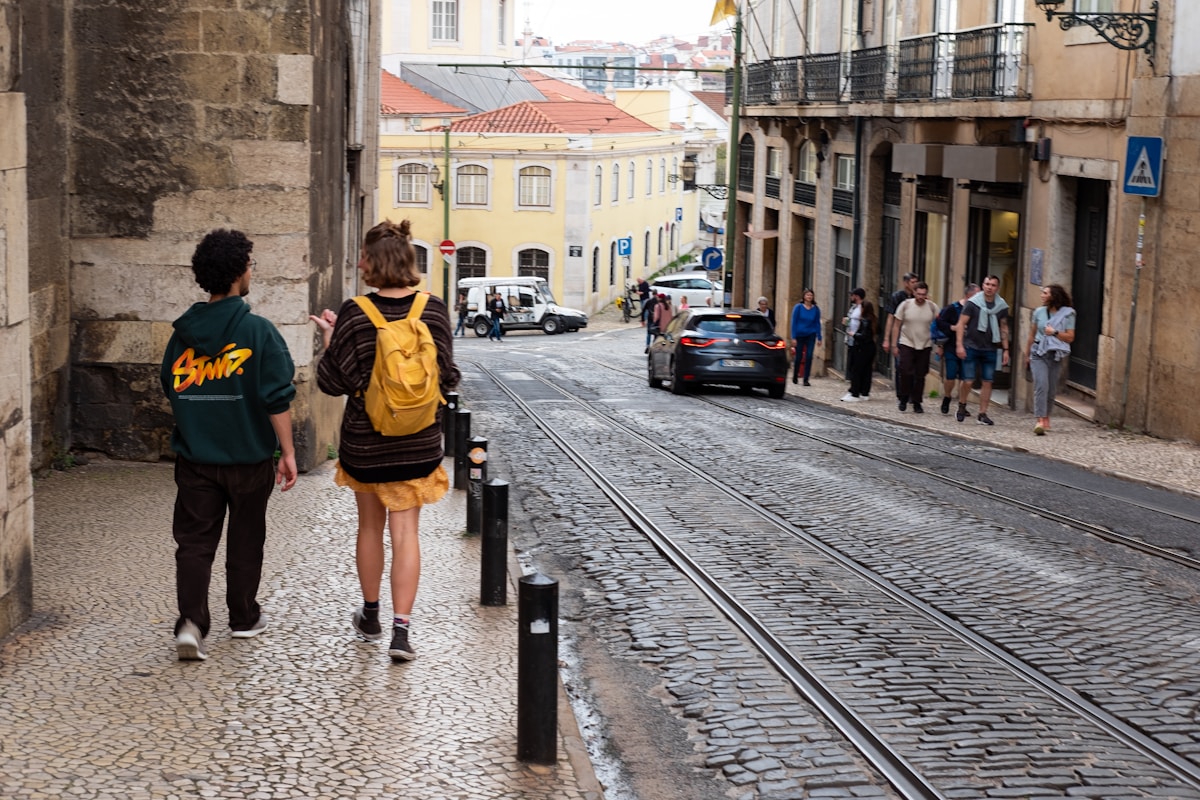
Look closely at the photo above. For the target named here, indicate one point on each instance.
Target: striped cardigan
(345, 368)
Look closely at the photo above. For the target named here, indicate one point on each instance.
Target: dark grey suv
(734, 347)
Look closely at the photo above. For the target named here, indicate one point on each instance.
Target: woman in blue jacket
(806, 332)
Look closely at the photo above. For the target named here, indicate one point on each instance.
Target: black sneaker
(902, 405)
(806, 383)
(945, 405)
(962, 412)
(984, 419)
(366, 626)
(400, 649)
(918, 408)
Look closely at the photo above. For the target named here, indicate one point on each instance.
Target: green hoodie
(225, 372)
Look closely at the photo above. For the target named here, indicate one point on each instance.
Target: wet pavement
(94, 703)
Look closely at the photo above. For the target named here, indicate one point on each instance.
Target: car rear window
(743, 325)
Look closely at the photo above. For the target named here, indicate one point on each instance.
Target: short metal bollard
(537, 670)
(476, 475)
(462, 432)
(452, 401)
(493, 555)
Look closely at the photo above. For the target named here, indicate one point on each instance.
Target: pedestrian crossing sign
(1143, 165)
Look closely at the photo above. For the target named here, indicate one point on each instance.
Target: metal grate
(772, 187)
(804, 194)
(989, 62)
(822, 74)
(758, 83)
(843, 201)
(785, 79)
(745, 178)
(868, 74)
(918, 63)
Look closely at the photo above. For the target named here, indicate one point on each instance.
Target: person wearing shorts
(982, 330)
(947, 351)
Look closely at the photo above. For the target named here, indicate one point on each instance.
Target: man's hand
(285, 472)
(325, 321)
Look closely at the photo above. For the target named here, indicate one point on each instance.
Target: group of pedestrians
(971, 337)
(227, 374)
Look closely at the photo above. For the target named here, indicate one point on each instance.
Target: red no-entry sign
(447, 248)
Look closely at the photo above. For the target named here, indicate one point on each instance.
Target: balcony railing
(804, 194)
(821, 77)
(979, 63)
(772, 187)
(843, 202)
(870, 71)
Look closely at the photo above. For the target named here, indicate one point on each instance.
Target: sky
(631, 21)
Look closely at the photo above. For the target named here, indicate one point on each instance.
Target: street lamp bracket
(1125, 31)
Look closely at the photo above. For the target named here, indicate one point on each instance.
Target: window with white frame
(649, 176)
(422, 254)
(844, 176)
(534, 186)
(412, 183)
(662, 175)
(616, 182)
(1094, 6)
(471, 262)
(502, 34)
(806, 166)
(471, 186)
(533, 263)
(774, 163)
(444, 15)
(632, 179)
(599, 190)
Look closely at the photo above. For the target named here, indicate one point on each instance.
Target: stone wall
(16, 516)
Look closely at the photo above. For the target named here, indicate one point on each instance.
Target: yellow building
(560, 188)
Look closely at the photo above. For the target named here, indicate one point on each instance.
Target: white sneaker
(258, 627)
(848, 398)
(189, 644)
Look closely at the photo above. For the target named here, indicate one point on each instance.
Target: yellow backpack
(403, 396)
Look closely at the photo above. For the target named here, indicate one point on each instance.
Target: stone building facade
(129, 128)
(958, 140)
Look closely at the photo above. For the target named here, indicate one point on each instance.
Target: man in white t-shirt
(909, 338)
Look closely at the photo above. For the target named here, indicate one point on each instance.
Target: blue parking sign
(625, 246)
(1143, 165)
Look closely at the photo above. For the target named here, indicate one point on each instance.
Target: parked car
(693, 285)
(531, 306)
(735, 347)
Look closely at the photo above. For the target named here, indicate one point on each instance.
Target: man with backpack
(228, 376)
(947, 343)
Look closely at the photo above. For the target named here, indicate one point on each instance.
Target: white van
(531, 305)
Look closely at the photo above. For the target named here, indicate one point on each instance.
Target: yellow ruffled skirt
(401, 495)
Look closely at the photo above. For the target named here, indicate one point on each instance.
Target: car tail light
(771, 344)
(698, 341)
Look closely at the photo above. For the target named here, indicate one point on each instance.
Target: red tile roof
(562, 117)
(554, 89)
(714, 100)
(400, 98)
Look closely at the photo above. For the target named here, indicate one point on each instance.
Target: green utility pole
(731, 209)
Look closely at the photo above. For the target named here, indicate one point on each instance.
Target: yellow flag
(723, 9)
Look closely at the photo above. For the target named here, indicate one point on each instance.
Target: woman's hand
(325, 322)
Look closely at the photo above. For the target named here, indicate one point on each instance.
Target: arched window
(649, 176)
(662, 175)
(660, 241)
(612, 265)
(616, 180)
(632, 179)
(672, 235)
(472, 262)
(472, 186)
(675, 166)
(646, 251)
(745, 173)
(599, 190)
(806, 163)
(412, 184)
(534, 186)
(595, 269)
(533, 263)
(422, 258)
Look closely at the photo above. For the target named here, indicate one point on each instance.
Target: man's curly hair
(220, 259)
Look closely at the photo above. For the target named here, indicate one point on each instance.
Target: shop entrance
(1087, 280)
(993, 249)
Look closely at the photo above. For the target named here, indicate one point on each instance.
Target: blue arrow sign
(1143, 165)
(711, 258)
(625, 246)
(678, 214)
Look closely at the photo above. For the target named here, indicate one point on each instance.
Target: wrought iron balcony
(772, 187)
(870, 70)
(989, 62)
(843, 201)
(821, 77)
(804, 194)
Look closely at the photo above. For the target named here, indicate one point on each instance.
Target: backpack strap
(371, 311)
(419, 301)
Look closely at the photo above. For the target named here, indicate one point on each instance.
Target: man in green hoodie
(228, 376)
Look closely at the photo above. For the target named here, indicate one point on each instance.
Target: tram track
(974, 487)
(874, 747)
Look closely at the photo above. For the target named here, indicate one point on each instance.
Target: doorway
(1087, 280)
(994, 244)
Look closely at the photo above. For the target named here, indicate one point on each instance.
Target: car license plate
(737, 362)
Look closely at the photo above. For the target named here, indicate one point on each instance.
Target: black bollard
(462, 432)
(476, 475)
(448, 421)
(493, 555)
(537, 670)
